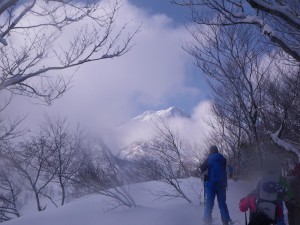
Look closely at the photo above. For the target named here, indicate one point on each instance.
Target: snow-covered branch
(287, 146)
(283, 11)
(283, 18)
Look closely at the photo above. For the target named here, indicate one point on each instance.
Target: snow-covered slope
(95, 209)
(135, 150)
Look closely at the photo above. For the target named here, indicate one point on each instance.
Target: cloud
(196, 129)
(109, 92)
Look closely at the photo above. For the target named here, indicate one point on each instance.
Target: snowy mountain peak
(151, 115)
(172, 112)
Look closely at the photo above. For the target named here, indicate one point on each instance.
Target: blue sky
(177, 13)
(180, 16)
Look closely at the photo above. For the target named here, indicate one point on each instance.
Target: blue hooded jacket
(216, 166)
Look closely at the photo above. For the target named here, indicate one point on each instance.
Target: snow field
(151, 210)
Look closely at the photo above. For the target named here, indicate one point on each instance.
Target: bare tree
(65, 147)
(231, 61)
(282, 114)
(8, 128)
(277, 20)
(101, 174)
(39, 38)
(169, 143)
(9, 194)
(241, 99)
(31, 161)
(148, 168)
(167, 161)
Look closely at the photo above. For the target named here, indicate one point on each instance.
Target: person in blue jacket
(215, 185)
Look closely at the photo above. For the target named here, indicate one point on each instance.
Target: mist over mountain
(144, 125)
(192, 128)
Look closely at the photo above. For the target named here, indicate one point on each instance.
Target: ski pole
(204, 192)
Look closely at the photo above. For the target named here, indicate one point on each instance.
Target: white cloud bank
(109, 92)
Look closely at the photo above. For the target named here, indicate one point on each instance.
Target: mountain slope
(135, 150)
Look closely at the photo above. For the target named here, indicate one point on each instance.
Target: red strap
(248, 202)
(279, 210)
(252, 203)
(244, 204)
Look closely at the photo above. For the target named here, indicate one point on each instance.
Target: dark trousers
(211, 192)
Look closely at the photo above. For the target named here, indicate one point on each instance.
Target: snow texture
(94, 209)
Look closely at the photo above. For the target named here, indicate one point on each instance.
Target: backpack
(257, 216)
(268, 187)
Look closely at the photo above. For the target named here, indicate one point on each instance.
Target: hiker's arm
(204, 166)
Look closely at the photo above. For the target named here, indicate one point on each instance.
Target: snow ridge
(151, 115)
